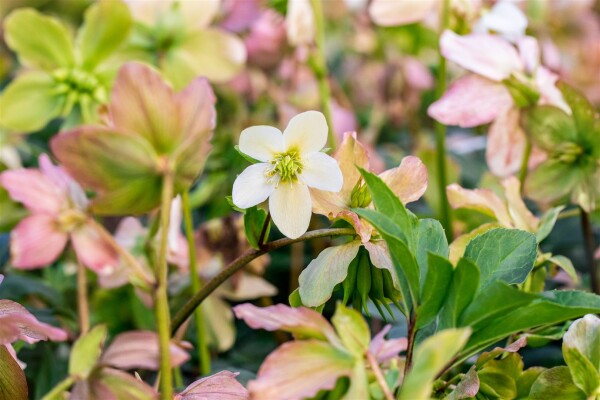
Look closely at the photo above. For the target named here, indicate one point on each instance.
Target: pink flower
(484, 97)
(57, 205)
(266, 40)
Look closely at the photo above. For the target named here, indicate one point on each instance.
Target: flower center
(68, 220)
(287, 165)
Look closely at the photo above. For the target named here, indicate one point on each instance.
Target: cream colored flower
(289, 164)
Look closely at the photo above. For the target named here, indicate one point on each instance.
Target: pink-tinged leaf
(61, 179)
(399, 12)
(408, 181)
(383, 349)
(511, 348)
(298, 370)
(506, 144)
(361, 226)
(471, 101)
(114, 384)
(139, 349)
(522, 217)
(33, 189)
(13, 385)
(487, 55)
(484, 201)
(379, 255)
(35, 242)
(351, 154)
(220, 386)
(300, 321)
(18, 323)
(93, 249)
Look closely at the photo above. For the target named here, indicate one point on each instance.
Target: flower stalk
(525, 164)
(379, 377)
(588, 237)
(203, 353)
(188, 308)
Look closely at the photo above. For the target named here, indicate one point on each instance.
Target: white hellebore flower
(289, 164)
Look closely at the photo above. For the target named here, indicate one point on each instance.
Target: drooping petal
(300, 22)
(220, 386)
(252, 187)
(18, 323)
(290, 206)
(35, 242)
(384, 350)
(551, 181)
(506, 143)
(219, 324)
(471, 101)
(261, 142)
(32, 188)
(329, 204)
(529, 51)
(300, 321)
(393, 13)
(61, 179)
(298, 370)
(349, 155)
(248, 287)
(139, 349)
(506, 19)
(522, 217)
(93, 250)
(380, 257)
(196, 107)
(408, 181)
(550, 94)
(306, 132)
(487, 55)
(319, 278)
(322, 172)
(483, 200)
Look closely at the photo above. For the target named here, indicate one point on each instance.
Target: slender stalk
(412, 333)
(240, 262)
(440, 134)
(525, 164)
(57, 391)
(574, 212)
(590, 246)
(203, 353)
(379, 376)
(83, 308)
(320, 69)
(161, 297)
(263, 233)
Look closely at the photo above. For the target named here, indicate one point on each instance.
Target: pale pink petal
(471, 101)
(248, 287)
(61, 179)
(299, 321)
(522, 217)
(343, 120)
(328, 204)
(483, 200)
(529, 51)
(196, 109)
(399, 12)
(322, 172)
(298, 370)
(129, 231)
(487, 55)
(18, 323)
(384, 350)
(35, 242)
(505, 18)
(417, 74)
(408, 181)
(546, 84)
(506, 144)
(139, 349)
(35, 190)
(380, 257)
(361, 226)
(93, 250)
(350, 155)
(174, 231)
(220, 386)
(300, 22)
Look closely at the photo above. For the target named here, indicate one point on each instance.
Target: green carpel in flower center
(287, 165)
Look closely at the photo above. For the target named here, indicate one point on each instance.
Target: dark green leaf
(430, 239)
(435, 289)
(461, 292)
(254, 221)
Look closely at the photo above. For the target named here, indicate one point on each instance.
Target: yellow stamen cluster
(287, 166)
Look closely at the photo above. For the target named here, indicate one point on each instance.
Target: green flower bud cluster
(360, 196)
(567, 152)
(287, 165)
(78, 86)
(365, 281)
(523, 90)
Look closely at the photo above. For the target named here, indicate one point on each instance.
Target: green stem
(320, 69)
(412, 333)
(525, 164)
(161, 296)
(440, 134)
(188, 308)
(57, 391)
(574, 212)
(203, 353)
(590, 247)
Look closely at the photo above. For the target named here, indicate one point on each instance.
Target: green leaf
(86, 352)
(13, 384)
(555, 383)
(503, 254)
(40, 41)
(29, 102)
(498, 377)
(458, 245)
(566, 264)
(498, 299)
(352, 330)
(430, 357)
(294, 299)
(430, 239)
(582, 111)
(461, 292)
(583, 373)
(581, 350)
(526, 380)
(435, 289)
(106, 25)
(547, 223)
(254, 221)
(548, 127)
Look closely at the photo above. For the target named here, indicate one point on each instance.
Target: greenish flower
(572, 143)
(64, 77)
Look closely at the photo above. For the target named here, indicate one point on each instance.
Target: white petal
(290, 206)
(251, 187)
(261, 142)
(322, 172)
(307, 132)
